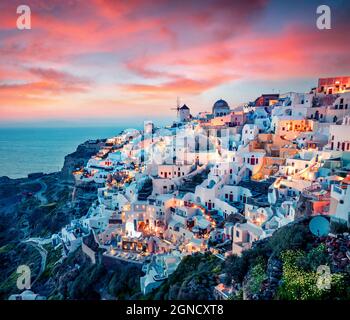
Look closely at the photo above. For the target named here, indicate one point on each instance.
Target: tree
(234, 269)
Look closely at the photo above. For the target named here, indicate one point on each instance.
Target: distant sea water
(28, 150)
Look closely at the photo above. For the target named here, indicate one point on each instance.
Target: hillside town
(216, 182)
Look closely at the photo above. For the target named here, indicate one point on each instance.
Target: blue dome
(319, 226)
(222, 104)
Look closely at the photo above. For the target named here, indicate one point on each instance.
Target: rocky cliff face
(274, 274)
(79, 158)
(23, 215)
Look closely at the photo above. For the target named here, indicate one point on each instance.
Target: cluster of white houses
(218, 181)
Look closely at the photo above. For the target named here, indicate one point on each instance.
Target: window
(237, 233)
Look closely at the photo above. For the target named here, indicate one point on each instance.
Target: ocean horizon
(25, 150)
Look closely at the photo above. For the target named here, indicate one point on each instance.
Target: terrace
(133, 257)
(317, 193)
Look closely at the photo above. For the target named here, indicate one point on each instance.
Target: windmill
(177, 106)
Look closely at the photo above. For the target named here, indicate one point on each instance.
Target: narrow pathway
(36, 243)
(39, 194)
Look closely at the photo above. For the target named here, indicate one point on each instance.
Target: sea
(30, 150)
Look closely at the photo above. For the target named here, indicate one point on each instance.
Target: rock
(340, 255)
(343, 248)
(4, 179)
(80, 157)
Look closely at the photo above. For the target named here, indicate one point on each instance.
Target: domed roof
(222, 104)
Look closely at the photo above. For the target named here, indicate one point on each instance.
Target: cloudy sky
(101, 61)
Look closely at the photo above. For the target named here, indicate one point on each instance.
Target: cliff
(39, 206)
(79, 158)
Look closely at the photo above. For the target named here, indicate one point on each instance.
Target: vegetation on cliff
(282, 267)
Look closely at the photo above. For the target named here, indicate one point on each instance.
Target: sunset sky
(100, 62)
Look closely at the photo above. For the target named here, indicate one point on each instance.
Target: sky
(99, 62)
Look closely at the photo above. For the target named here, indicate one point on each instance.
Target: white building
(249, 133)
(168, 171)
(340, 135)
(26, 295)
(244, 235)
(160, 268)
(340, 202)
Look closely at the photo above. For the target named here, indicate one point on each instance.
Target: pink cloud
(161, 49)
